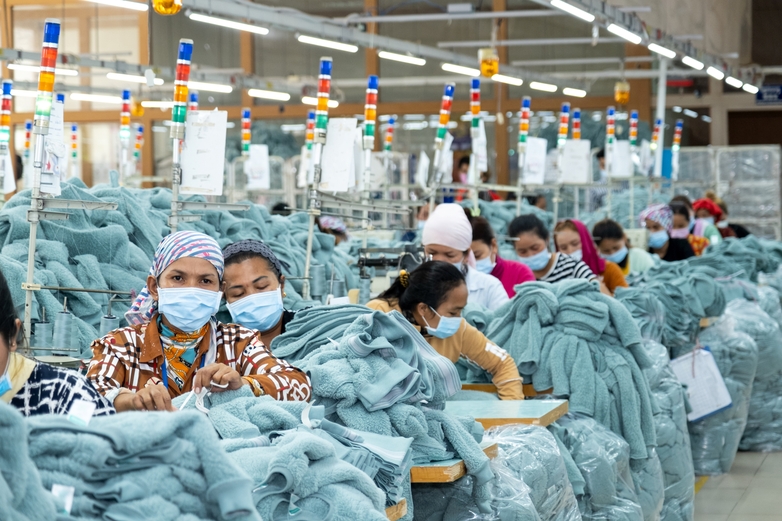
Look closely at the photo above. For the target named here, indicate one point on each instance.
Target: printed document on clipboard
(706, 388)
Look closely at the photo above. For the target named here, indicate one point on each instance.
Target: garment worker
(254, 286)
(432, 298)
(175, 345)
(658, 220)
(33, 387)
(447, 237)
(487, 258)
(531, 241)
(612, 243)
(707, 215)
(681, 228)
(739, 230)
(333, 226)
(572, 238)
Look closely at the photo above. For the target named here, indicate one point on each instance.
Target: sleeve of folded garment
(613, 277)
(494, 359)
(107, 369)
(276, 377)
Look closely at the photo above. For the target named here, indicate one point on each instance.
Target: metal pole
(660, 114)
(33, 218)
(176, 179)
(366, 195)
(314, 212)
(435, 178)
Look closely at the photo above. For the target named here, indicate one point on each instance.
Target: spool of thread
(318, 282)
(364, 286)
(42, 337)
(108, 323)
(63, 332)
(338, 289)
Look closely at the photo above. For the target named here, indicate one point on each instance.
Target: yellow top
(471, 344)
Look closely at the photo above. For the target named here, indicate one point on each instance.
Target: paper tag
(422, 171)
(337, 162)
(9, 179)
(257, 169)
(203, 155)
(706, 389)
(292, 508)
(64, 494)
(53, 169)
(446, 159)
(479, 148)
(574, 162)
(535, 161)
(621, 160)
(81, 412)
(339, 301)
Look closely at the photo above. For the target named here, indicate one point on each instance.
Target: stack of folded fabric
(141, 466)
(715, 439)
(601, 474)
(315, 469)
(22, 496)
(313, 328)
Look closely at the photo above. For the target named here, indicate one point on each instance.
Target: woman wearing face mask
(254, 287)
(707, 213)
(729, 229)
(175, 344)
(488, 260)
(658, 220)
(572, 238)
(613, 246)
(432, 298)
(531, 240)
(447, 237)
(681, 228)
(33, 387)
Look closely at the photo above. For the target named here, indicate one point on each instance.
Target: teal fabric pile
(715, 439)
(313, 328)
(586, 347)
(22, 496)
(141, 466)
(600, 469)
(103, 249)
(295, 469)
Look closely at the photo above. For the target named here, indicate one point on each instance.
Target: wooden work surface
(446, 471)
(398, 511)
(507, 412)
(529, 391)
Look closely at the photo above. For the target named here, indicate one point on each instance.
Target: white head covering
(448, 226)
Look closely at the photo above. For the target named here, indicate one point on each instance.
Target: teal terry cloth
(646, 309)
(313, 328)
(22, 496)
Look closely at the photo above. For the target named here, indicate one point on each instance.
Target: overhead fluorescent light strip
(624, 33)
(96, 98)
(734, 82)
(328, 43)
(210, 87)
(135, 6)
(578, 93)
(662, 51)
(132, 78)
(412, 60)
(510, 80)
(692, 62)
(546, 87)
(35, 68)
(690, 113)
(571, 9)
(459, 69)
(269, 94)
(750, 88)
(309, 100)
(715, 73)
(24, 93)
(196, 17)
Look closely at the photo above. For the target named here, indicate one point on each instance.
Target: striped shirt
(53, 390)
(567, 267)
(132, 358)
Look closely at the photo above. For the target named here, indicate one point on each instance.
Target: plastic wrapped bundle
(673, 440)
(714, 440)
(649, 485)
(763, 432)
(620, 207)
(532, 454)
(603, 460)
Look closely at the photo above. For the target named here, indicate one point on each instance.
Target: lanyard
(164, 368)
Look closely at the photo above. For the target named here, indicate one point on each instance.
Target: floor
(752, 491)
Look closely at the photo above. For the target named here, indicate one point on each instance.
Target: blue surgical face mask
(5, 381)
(708, 220)
(259, 311)
(447, 327)
(188, 309)
(616, 257)
(577, 255)
(658, 239)
(485, 265)
(537, 261)
(421, 225)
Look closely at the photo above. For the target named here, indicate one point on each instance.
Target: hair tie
(404, 278)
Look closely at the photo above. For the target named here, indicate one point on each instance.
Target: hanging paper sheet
(9, 180)
(535, 161)
(422, 171)
(203, 155)
(575, 162)
(706, 389)
(622, 163)
(479, 148)
(54, 166)
(337, 163)
(647, 158)
(257, 168)
(446, 159)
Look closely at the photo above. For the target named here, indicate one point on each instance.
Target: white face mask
(577, 255)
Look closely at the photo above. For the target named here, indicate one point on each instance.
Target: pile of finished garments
(113, 249)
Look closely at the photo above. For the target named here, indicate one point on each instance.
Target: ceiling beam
(446, 17)
(582, 61)
(532, 42)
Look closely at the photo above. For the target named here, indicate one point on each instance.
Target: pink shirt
(512, 273)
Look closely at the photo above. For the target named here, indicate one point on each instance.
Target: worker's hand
(217, 378)
(150, 398)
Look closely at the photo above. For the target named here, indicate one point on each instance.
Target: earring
(284, 294)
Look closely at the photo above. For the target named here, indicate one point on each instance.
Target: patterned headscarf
(659, 213)
(172, 248)
(328, 222)
(250, 245)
